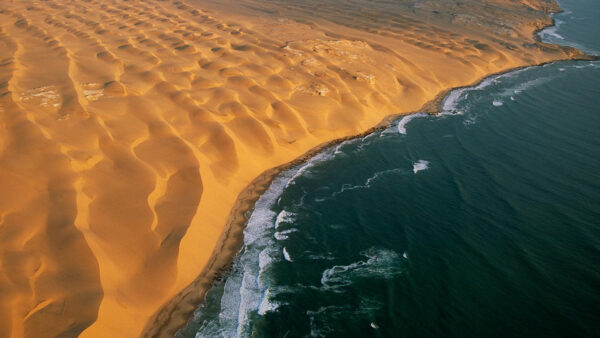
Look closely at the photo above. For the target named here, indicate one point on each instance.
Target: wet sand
(136, 136)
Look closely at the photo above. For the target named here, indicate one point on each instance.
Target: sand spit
(132, 134)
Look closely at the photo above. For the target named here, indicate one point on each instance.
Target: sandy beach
(136, 136)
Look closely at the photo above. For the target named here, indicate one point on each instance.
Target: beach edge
(176, 312)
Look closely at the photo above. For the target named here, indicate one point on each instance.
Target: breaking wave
(379, 263)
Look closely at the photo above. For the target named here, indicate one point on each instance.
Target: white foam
(249, 299)
(349, 187)
(209, 329)
(402, 123)
(327, 257)
(376, 176)
(245, 287)
(320, 157)
(420, 165)
(379, 174)
(518, 89)
(284, 216)
(322, 318)
(368, 182)
(380, 263)
(318, 324)
(364, 141)
(264, 259)
(451, 101)
(470, 120)
(551, 31)
(338, 149)
(283, 235)
(267, 304)
(286, 255)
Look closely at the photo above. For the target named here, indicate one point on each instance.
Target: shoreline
(174, 314)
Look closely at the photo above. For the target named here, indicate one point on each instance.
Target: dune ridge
(132, 135)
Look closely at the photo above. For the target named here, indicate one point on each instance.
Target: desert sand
(135, 135)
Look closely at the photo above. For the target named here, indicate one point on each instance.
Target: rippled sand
(129, 128)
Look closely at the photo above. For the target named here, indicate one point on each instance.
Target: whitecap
(284, 216)
(450, 103)
(380, 263)
(420, 165)
(267, 304)
(265, 258)
(286, 255)
(283, 235)
(402, 123)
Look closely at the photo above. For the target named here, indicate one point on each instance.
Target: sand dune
(129, 128)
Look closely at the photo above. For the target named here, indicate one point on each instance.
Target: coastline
(176, 312)
(139, 136)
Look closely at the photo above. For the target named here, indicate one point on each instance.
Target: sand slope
(128, 129)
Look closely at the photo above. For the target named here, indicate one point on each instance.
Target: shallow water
(484, 221)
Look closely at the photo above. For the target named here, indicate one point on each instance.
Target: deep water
(481, 222)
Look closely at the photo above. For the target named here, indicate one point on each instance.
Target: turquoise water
(483, 221)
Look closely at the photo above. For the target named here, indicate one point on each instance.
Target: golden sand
(128, 129)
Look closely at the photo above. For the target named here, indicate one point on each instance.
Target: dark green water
(482, 222)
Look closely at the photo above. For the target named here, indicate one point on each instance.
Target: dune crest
(128, 130)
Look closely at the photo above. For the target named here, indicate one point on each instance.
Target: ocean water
(483, 221)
